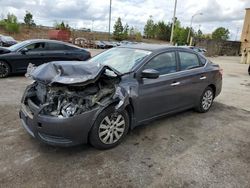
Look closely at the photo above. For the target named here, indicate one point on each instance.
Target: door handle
(175, 84)
(203, 78)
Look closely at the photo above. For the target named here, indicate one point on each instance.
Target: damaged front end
(61, 92)
(71, 92)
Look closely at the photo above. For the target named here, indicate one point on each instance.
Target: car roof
(47, 40)
(152, 47)
(53, 41)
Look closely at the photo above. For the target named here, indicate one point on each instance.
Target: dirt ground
(185, 150)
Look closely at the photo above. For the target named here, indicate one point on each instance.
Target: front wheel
(4, 69)
(109, 128)
(206, 100)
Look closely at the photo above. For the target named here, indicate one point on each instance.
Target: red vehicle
(62, 35)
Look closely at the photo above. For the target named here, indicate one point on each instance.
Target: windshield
(121, 59)
(18, 45)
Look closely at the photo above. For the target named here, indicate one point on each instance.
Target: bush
(11, 27)
(10, 24)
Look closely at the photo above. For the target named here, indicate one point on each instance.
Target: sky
(94, 13)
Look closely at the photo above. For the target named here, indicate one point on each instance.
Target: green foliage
(28, 19)
(125, 31)
(138, 37)
(11, 18)
(181, 33)
(135, 34)
(162, 30)
(120, 32)
(61, 26)
(221, 33)
(12, 27)
(10, 24)
(149, 28)
(199, 34)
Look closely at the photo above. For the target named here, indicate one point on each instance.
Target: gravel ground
(185, 150)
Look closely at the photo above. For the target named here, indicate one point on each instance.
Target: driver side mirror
(150, 73)
(24, 50)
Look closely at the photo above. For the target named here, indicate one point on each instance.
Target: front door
(34, 55)
(158, 96)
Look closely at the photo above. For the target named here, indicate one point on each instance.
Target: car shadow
(176, 122)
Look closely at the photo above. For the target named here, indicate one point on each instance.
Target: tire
(249, 70)
(4, 69)
(104, 133)
(206, 100)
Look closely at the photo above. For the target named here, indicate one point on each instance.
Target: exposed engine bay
(67, 100)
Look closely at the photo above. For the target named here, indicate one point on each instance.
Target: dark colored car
(7, 41)
(15, 59)
(100, 100)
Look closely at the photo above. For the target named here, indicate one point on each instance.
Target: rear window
(56, 46)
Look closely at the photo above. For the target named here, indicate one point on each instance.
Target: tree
(11, 18)
(181, 33)
(10, 24)
(220, 33)
(61, 26)
(199, 33)
(135, 34)
(28, 19)
(125, 31)
(120, 32)
(138, 36)
(163, 31)
(149, 28)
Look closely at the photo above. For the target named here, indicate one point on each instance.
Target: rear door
(193, 78)
(57, 52)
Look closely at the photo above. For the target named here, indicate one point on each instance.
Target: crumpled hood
(69, 72)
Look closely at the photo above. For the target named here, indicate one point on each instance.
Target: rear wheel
(206, 100)
(109, 128)
(4, 69)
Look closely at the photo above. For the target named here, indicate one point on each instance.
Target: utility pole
(110, 2)
(173, 23)
(189, 32)
(237, 31)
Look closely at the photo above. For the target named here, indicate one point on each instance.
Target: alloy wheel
(111, 128)
(207, 99)
(4, 70)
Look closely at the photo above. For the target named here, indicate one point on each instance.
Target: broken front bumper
(58, 131)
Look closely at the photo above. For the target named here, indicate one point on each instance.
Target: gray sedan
(100, 100)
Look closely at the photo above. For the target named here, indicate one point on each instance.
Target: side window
(56, 46)
(188, 60)
(164, 63)
(39, 46)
